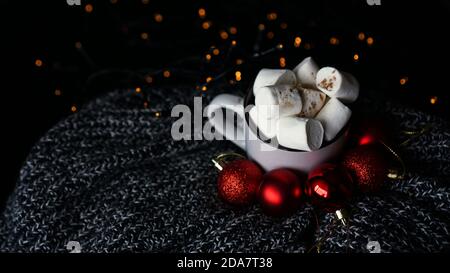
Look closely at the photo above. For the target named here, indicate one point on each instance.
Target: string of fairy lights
(231, 68)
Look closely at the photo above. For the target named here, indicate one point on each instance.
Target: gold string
(415, 134)
(393, 174)
(221, 158)
(331, 228)
(326, 236)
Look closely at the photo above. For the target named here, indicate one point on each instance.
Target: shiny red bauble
(329, 187)
(239, 181)
(280, 192)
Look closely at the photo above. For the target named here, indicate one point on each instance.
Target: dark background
(85, 54)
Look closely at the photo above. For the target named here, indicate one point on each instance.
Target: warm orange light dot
(283, 26)
(145, 104)
(272, 16)
(216, 51)
(201, 12)
(238, 75)
(334, 41)
(208, 57)
(158, 17)
(233, 43)
(138, 90)
(297, 41)
(149, 79)
(261, 27)
(361, 36)
(206, 25)
(204, 88)
(280, 46)
(403, 80)
(223, 35)
(166, 73)
(369, 41)
(38, 62)
(270, 35)
(208, 79)
(157, 114)
(433, 100)
(58, 92)
(144, 36)
(88, 8)
(73, 108)
(233, 30)
(282, 62)
(239, 61)
(355, 57)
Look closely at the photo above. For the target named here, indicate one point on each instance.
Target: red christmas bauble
(280, 192)
(329, 187)
(368, 166)
(238, 182)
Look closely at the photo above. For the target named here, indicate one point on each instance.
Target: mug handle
(235, 104)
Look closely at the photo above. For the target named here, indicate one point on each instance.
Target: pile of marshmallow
(303, 107)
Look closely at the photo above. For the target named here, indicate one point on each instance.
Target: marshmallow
(268, 77)
(281, 101)
(306, 72)
(333, 116)
(299, 133)
(268, 127)
(337, 84)
(313, 101)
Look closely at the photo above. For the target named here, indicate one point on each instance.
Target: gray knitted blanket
(111, 178)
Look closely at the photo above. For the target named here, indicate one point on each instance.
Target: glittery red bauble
(238, 182)
(329, 187)
(367, 165)
(280, 192)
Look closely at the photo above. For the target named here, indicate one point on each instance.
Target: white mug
(264, 153)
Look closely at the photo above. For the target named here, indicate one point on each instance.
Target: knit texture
(112, 178)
